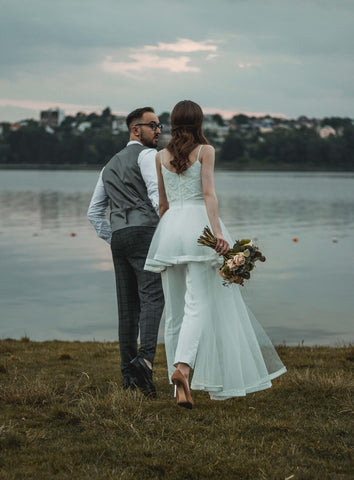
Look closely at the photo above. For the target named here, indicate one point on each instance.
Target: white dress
(207, 325)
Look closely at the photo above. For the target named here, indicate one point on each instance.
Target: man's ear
(135, 131)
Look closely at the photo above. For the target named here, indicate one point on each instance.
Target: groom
(128, 185)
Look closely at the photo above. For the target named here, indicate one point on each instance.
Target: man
(128, 185)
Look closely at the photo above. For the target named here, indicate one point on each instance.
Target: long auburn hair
(186, 129)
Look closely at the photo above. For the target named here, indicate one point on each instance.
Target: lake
(57, 280)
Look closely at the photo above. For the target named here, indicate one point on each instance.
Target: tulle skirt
(207, 325)
(175, 238)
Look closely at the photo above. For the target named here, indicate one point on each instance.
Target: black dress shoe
(143, 376)
(129, 382)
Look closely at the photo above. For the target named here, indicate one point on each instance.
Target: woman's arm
(207, 159)
(163, 203)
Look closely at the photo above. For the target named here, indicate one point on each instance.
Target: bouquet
(239, 261)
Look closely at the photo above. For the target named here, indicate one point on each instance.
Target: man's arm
(146, 162)
(97, 211)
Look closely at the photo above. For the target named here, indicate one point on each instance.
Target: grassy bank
(64, 415)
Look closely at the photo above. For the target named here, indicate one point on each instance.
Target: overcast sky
(289, 57)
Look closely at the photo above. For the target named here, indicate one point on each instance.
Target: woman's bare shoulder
(207, 152)
(208, 148)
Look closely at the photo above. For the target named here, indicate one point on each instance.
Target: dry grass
(64, 415)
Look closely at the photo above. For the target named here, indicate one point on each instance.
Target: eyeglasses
(153, 125)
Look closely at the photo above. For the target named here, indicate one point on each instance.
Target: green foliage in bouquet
(239, 261)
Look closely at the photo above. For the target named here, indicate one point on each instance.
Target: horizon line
(73, 109)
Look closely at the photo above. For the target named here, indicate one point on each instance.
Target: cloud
(141, 58)
(183, 45)
(245, 65)
(212, 56)
(291, 57)
(142, 61)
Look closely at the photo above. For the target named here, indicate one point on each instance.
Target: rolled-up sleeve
(97, 211)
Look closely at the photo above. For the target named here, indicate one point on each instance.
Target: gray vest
(129, 202)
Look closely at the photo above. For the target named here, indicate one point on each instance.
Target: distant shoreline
(255, 167)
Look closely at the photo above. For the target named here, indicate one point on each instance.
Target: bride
(208, 327)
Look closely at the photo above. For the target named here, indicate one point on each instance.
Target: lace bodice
(185, 187)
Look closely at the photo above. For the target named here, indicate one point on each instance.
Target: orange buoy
(295, 239)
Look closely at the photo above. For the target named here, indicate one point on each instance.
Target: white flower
(249, 244)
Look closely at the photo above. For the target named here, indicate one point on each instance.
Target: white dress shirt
(100, 201)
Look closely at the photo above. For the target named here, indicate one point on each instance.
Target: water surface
(57, 277)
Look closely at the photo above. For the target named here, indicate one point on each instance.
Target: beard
(148, 142)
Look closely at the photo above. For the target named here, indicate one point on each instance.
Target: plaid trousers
(139, 294)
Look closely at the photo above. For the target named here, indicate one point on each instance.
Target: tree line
(33, 145)
(302, 148)
(242, 147)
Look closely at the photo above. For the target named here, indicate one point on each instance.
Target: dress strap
(199, 152)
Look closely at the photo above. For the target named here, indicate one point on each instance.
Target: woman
(208, 327)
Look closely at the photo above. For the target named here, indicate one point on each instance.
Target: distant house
(52, 117)
(83, 126)
(326, 131)
(303, 121)
(282, 126)
(267, 125)
(17, 125)
(219, 131)
(119, 125)
(49, 130)
(209, 123)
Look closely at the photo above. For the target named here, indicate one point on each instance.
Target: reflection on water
(288, 199)
(43, 209)
(57, 278)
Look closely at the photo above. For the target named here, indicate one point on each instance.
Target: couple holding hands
(159, 204)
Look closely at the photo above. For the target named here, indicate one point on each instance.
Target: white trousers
(186, 302)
